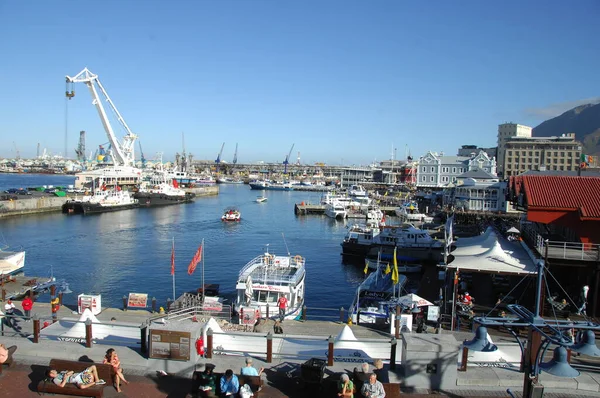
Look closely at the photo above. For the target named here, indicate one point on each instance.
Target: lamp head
(415, 309)
(587, 345)
(481, 341)
(558, 365)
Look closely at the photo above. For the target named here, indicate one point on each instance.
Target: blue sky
(345, 81)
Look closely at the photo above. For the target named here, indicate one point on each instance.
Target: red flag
(197, 258)
(175, 184)
(173, 259)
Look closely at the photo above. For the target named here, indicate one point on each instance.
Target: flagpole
(203, 286)
(174, 298)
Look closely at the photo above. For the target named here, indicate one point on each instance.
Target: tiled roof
(577, 193)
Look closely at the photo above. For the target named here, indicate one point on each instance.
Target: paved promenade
(282, 376)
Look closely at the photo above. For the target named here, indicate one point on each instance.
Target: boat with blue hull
(270, 186)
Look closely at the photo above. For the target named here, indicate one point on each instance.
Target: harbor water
(113, 254)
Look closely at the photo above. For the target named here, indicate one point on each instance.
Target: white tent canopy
(410, 299)
(513, 230)
(487, 253)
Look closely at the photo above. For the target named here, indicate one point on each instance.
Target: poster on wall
(137, 300)
(169, 344)
(433, 313)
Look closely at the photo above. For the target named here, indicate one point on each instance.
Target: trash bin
(312, 371)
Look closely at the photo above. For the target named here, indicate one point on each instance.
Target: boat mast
(203, 285)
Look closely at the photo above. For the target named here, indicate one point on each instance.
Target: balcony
(560, 250)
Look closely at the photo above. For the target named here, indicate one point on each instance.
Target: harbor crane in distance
(287, 159)
(142, 157)
(235, 154)
(218, 159)
(123, 152)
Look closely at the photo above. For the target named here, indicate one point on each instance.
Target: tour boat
(261, 199)
(263, 280)
(231, 214)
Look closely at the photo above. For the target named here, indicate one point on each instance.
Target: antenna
(286, 246)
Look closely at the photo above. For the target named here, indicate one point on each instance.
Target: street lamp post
(552, 332)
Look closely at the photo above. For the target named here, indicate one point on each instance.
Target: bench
(255, 382)
(105, 372)
(392, 390)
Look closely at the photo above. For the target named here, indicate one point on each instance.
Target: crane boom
(123, 151)
(287, 159)
(218, 160)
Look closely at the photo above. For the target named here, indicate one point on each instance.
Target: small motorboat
(231, 214)
(261, 199)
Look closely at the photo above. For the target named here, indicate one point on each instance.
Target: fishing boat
(371, 302)
(261, 199)
(10, 261)
(158, 191)
(263, 280)
(231, 214)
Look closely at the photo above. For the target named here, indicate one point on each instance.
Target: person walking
(282, 304)
(583, 300)
(9, 311)
(27, 305)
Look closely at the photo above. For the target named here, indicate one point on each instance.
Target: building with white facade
(506, 132)
(438, 171)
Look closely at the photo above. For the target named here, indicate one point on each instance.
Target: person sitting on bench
(87, 378)
(6, 353)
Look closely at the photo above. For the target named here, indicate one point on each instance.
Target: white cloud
(557, 109)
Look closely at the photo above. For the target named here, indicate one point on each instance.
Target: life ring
(298, 258)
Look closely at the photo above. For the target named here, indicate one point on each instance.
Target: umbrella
(513, 230)
(249, 290)
(411, 298)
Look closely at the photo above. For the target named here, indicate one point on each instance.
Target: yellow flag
(395, 271)
(388, 269)
(366, 266)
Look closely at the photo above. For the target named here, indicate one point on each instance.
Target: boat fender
(298, 258)
(200, 346)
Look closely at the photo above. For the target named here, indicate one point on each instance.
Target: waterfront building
(562, 225)
(506, 132)
(472, 150)
(522, 154)
(477, 190)
(438, 171)
(123, 176)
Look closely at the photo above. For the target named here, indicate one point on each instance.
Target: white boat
(261, 199)
(409, 212)
(371, 300)
(263, 280)
(157, 190)
(231, 214)
(336, 210)
(229, 180)
(357, 191)
(11, 262)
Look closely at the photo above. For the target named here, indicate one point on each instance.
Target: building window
(431, 179)
(423, 178)
(454, 170)
(432, 169)
(424, 169)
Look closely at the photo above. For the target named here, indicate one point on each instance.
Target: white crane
(123, 152)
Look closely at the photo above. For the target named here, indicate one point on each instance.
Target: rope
(508, 294)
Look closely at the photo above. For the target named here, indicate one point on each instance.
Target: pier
(305, 208)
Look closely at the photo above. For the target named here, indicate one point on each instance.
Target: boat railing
(198, 313)
(271, 272)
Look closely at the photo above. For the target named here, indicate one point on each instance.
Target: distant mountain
(583, 120)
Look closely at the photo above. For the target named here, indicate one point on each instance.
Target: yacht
(412, 244)
(263, 280)
(357, 191)
(409, 212)
(336, 210)
(11, 262)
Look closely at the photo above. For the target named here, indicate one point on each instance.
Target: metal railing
(573, 250)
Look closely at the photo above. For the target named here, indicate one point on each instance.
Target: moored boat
(100, 202)
(261, 199)
(159, 192)
(266, 278)
(11, 262)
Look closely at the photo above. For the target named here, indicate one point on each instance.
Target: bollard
(342, 315)
(269, 347)
(88, 333)
(53, 291)
(267, 310)
(393, 354)
(60, 296)
(463, 361)
(124, 303)
(144, 337)
(303, 312)
(330, 352)
(242, 315)
(36, 328)
(209, 343)
(153, 305)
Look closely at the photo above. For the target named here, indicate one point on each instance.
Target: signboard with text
(169, 344)
(433, 313)
(137, 300)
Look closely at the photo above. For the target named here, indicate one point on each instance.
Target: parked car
(23, 192)
(50, 190)
(11, 190)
